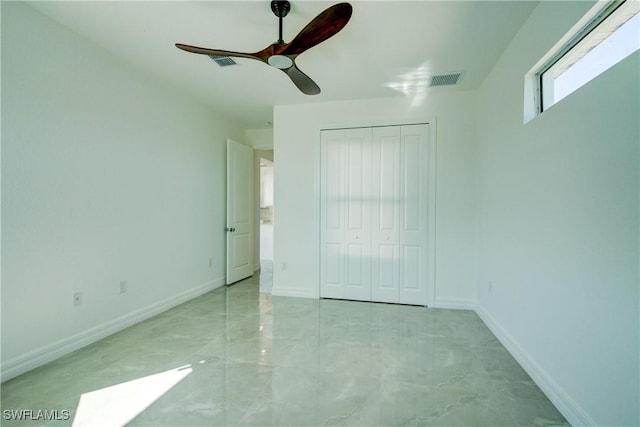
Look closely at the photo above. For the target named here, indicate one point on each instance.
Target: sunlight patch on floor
(119, 404)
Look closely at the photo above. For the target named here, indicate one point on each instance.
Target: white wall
(296, 226)
(107, 176)
(558, 227)
(260, 139)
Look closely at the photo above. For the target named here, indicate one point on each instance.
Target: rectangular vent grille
(223, 61)
(445, 79)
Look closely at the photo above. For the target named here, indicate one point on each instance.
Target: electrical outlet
(490, 286)
(284, 266)
(123, 287)
(77, 299)
(210, 262)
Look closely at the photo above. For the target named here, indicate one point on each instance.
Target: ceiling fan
(282, 55)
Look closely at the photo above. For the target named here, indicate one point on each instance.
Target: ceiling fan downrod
(280, 8)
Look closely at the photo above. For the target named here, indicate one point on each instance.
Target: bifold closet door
(373, 233)
(399, 214)
(346, 214)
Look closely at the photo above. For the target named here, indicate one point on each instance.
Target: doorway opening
(266, 219)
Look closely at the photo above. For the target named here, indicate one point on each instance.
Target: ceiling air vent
(445, 79)
(223, 61)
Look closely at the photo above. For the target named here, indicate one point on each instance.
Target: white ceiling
(388, 46)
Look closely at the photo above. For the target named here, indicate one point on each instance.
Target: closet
(374, 199)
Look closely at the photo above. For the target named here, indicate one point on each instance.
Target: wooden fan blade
(323, 26)
(215, 52)
(302, 81)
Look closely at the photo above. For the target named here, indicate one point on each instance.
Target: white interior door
(239, 228)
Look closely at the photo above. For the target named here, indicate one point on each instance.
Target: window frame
(539, 88)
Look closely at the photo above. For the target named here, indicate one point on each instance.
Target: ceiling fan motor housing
(280, 8)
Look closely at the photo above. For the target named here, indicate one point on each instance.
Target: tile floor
(238, 356)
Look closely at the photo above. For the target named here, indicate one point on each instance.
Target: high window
(610, 34)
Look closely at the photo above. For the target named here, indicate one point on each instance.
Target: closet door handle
(230, 229)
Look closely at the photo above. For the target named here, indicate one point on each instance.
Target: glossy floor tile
(240, 357)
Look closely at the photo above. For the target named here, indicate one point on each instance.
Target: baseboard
(565, 404)
(51, 352)
(455, 303)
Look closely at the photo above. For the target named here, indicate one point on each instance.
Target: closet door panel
(332, 272)
(386, 289)
(411, 268)
(333, 186)
(411, 182)
(332, 247)
(387, 180)
(358, 214)
(413, 217)
(357, 280)
(385, 214)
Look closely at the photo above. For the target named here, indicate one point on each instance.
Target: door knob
(230, 229)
